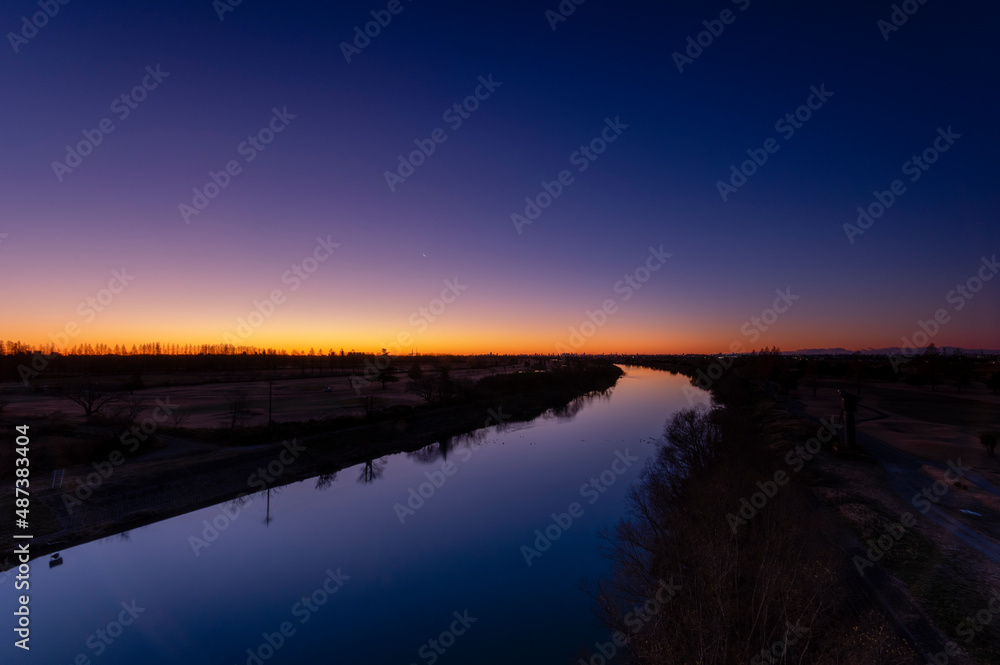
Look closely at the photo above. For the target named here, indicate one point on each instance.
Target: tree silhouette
(960, 370)
(931, 359)
(93, 397)
(989, 441)
(993, 383)
(372, 470)
(127, 409)
(446, 387)
(425, 386)
(237, 406)
(386, 375)
(325, 480)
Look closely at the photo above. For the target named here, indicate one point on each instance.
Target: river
(359, 568)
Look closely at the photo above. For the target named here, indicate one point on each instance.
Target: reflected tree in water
(372, 470)
(325, 480)
(570, 411)
(434, 452)
(440, 450)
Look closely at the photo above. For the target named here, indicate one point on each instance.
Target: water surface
(394, 580)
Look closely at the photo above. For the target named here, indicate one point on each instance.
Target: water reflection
(434, 452)
(325, 480)
(458, 548)
(570, 411)
(120, 537)
(440, 450)
(267, 513)
(372, 470)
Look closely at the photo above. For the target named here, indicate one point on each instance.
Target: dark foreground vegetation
(772, 590)
(727, 516)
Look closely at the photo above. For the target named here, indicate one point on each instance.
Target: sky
(595, 191)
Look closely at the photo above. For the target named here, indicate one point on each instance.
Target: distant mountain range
(895, 350)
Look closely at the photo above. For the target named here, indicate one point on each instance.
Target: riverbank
(778, 530)
(158, 485)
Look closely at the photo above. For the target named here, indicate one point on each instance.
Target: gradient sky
(656, 184)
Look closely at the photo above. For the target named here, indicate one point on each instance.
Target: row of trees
(21, 362)
(10, 347)
(930, 368)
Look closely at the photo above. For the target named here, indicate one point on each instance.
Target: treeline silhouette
(929, 367)
(39, 366)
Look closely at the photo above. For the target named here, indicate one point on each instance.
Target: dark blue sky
(656, 184)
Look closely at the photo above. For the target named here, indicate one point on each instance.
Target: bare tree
(325, 480)
(692, 441)
(386, 375)
(127, 409)
(93, 397)
(425, 386)
(415, 372)
(372, 470)
(989, 441)
(178, 416)
(238, 407)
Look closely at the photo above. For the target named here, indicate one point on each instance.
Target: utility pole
(270, 421)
